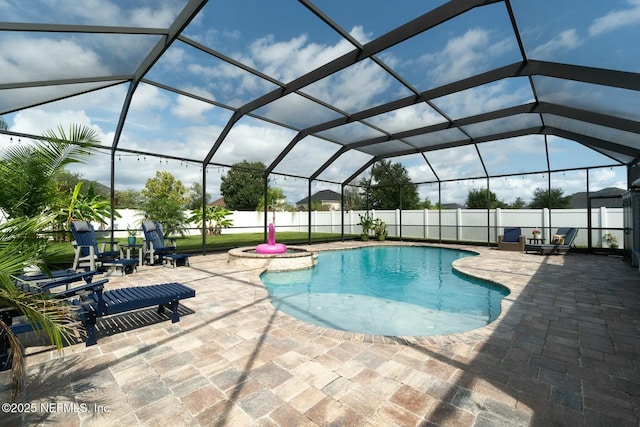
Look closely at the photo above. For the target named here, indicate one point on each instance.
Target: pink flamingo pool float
(271, 247)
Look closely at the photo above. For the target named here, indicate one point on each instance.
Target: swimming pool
(387, 290)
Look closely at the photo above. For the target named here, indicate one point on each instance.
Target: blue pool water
(389, 290)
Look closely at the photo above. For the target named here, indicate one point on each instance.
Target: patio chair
(88, 253)
(13, 318)
(511, 240)
(155, 247)
(561, 241)
(105, 303)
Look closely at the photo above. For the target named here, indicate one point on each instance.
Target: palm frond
(15, 356)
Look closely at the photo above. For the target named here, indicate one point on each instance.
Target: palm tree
(3, 124)
(216, 219)
(18, 247)
(27, 191)
(28, 171)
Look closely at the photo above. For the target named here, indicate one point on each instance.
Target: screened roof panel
(436, 138)
(385, 148)
(130, 13)
(604, 133)
(189, 69)
(602, 99)
(29, 56)
(344, 166)
(367, 23)
(350, 133)
(297, 111)
(489, 97)
(524, 154)
(477, 41)
(597, 33)
(505, 124)
(188, 133)
(358, 87)
(417, 167)
(567, 154)
(263, 41)
(411, 117)
(299, 162)
(14, 99)
(458, 162)
(252, 140)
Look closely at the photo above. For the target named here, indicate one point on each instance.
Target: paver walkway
(565, 351)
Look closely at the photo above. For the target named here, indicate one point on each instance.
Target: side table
(129, 247)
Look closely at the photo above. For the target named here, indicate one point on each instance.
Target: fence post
(603, 224)
(425, 223)
(546, 224)
(458, 224)
(498, 223)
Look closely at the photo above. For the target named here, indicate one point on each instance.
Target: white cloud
(192, 109)
(617, 19)
(463, 56)
(287, 60)
(567, 39)
(32, 59)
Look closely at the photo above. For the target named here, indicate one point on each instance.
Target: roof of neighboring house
(579, 200)
(218, 202)
(322, 195)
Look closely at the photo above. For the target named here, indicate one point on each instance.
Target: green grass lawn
(61, 253)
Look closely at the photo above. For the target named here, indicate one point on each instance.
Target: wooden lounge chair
(50, 285)
(88, 253)
(157, 250)
(104, 303)
(511, 240)
(154, 242)
(562, 241)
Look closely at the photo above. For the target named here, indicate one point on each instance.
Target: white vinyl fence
(457, 224)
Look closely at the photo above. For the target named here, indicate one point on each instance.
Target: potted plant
(536, 233)
(132, 235)
(612, 241)
(380, 229)
(366, 222)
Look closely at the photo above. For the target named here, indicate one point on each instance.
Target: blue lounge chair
(562, 241)
(88, 253)
(47, 285)
(104, 303)
(92, 301)
(511, 240)
(156, 249)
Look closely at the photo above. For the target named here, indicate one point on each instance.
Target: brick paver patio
(565, 351)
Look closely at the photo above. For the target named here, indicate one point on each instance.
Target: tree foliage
(164, 201)
(129, 198)
(352, 198)
(194, 196)
(478, 198)
(518, 203)
(553, 198)
(243, 186)
(387, 181)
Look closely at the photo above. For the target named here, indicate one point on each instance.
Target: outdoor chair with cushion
(561, 241)
(511, 240)
(88, 253)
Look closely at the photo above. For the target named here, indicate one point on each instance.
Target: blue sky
(283, 40)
